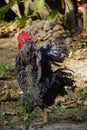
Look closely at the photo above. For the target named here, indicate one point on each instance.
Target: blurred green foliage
(5, 8)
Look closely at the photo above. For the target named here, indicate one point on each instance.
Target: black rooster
(40, 84)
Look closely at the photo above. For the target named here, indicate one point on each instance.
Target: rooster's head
(22, 37)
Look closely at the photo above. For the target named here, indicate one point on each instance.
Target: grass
(7, 71)
(84, 116)
(78, 45)
(21, 21)
(83, 95)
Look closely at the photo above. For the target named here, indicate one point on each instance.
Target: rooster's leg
(45, 112)
(45, 115)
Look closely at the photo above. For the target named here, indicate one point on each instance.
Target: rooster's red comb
(24, 35)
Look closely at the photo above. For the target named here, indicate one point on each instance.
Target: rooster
(40, 84)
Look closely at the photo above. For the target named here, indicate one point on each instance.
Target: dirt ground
(71, 115)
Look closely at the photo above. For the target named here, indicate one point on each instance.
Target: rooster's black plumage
(35, 75)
